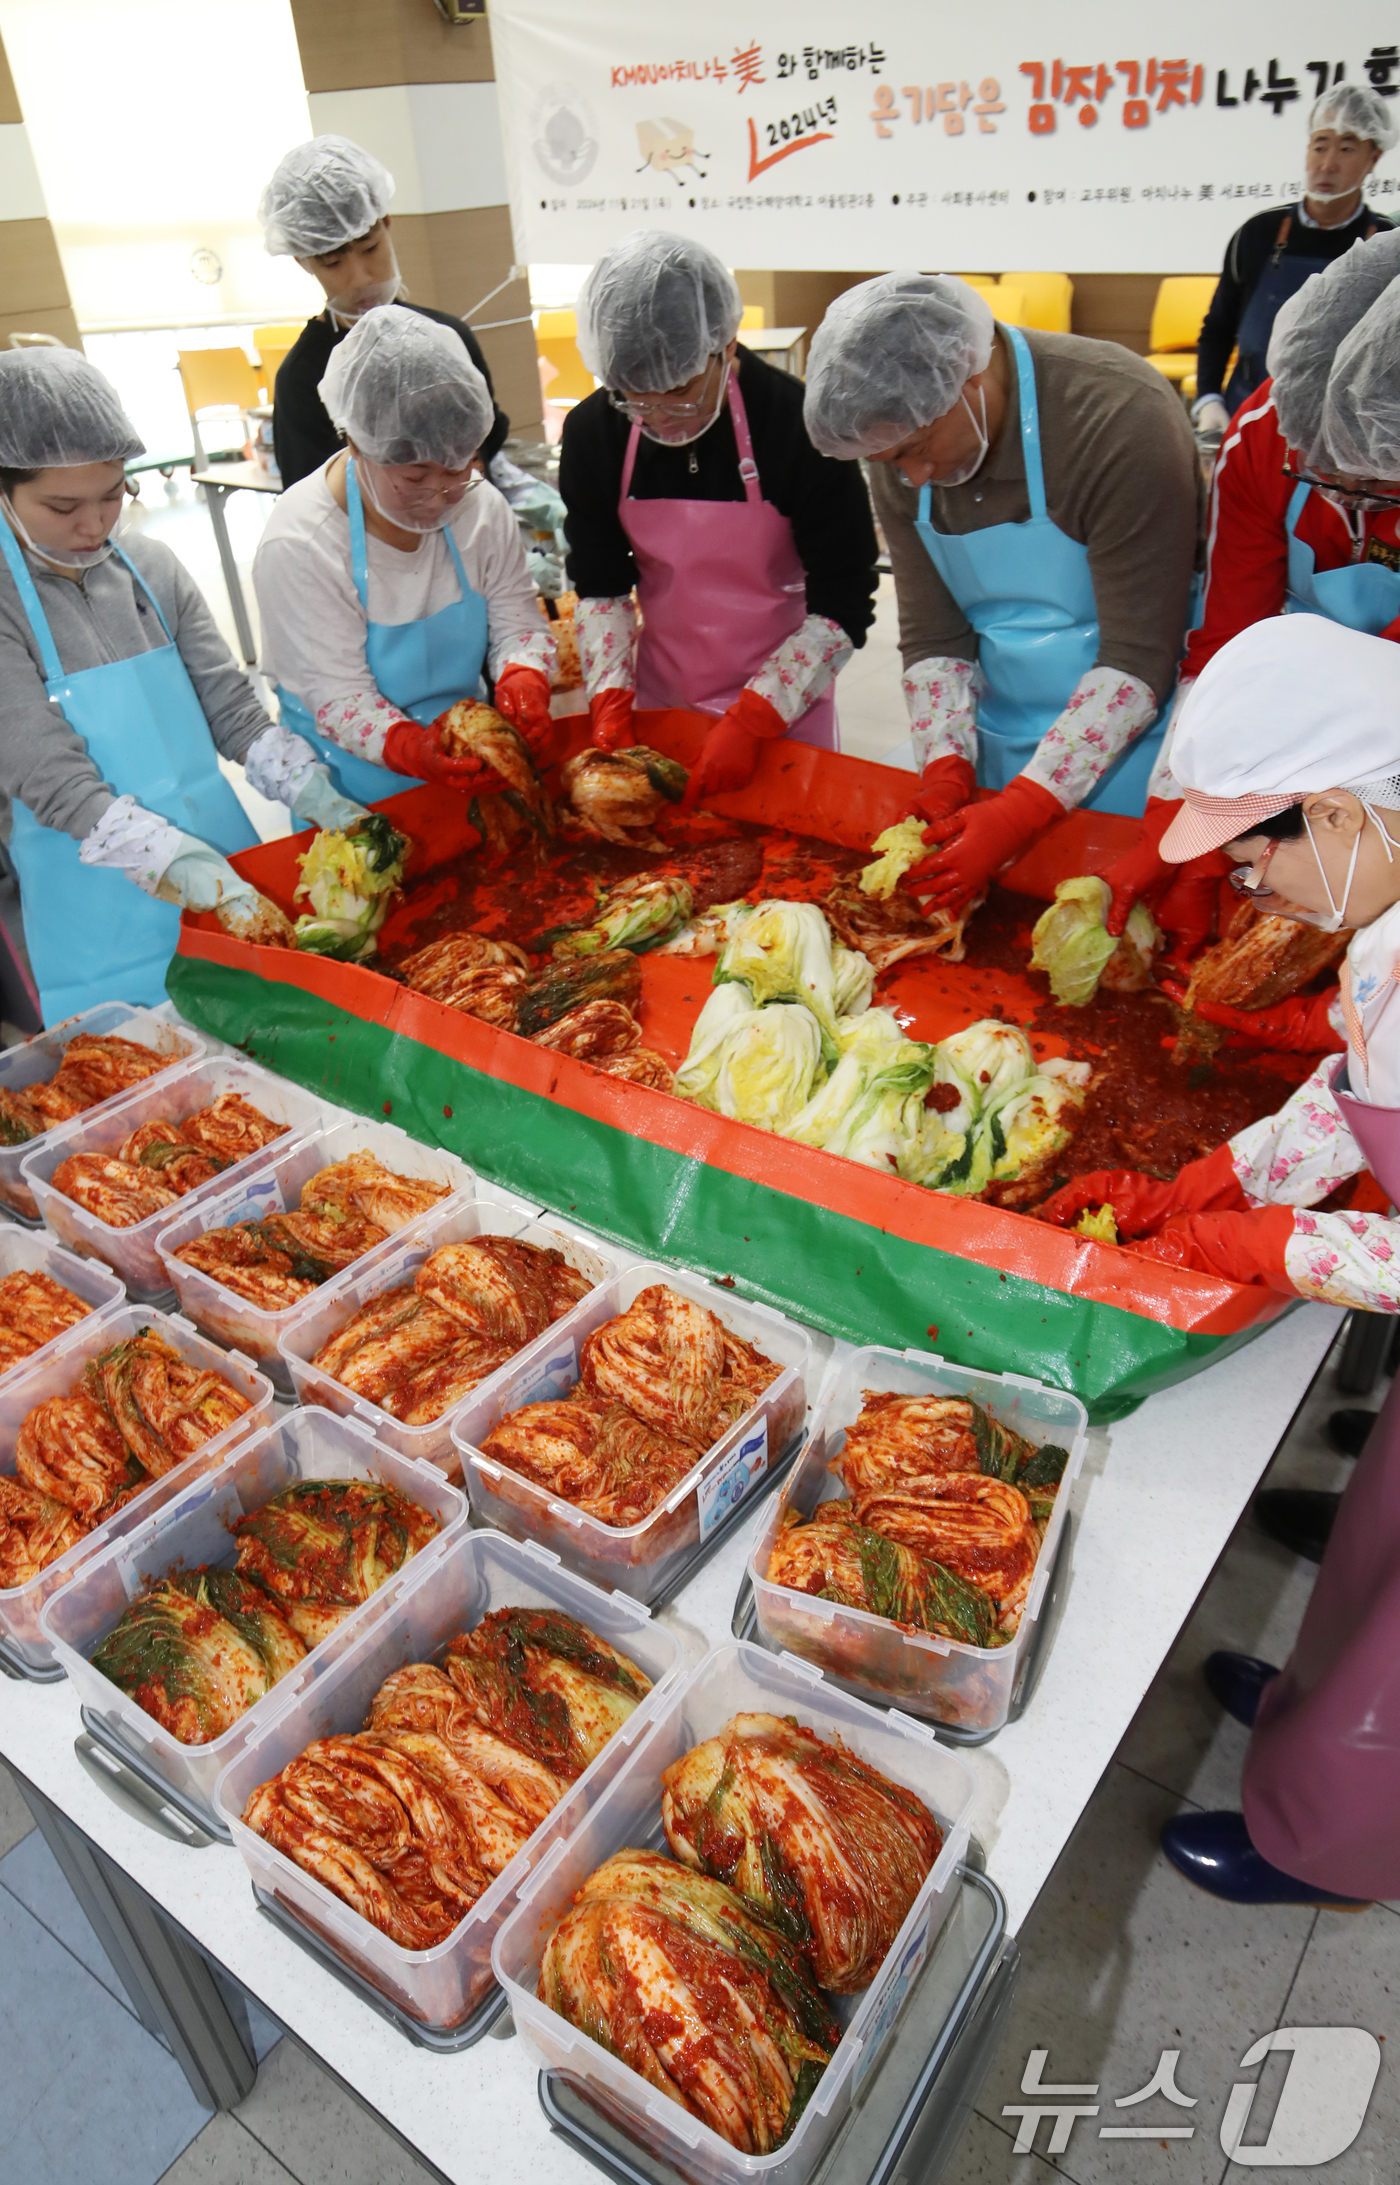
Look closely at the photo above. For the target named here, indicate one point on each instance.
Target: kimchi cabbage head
(198, 1650)
(1074, 948)
(992, 1057)
(756, 1065)
(348, 880)
(785, 953)
(901, 847)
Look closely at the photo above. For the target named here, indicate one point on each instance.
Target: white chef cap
(890, 356)
(57, 410)
(322, 195)
(1356, 108)
(403, 388)
(1310, 329)
(654, 309)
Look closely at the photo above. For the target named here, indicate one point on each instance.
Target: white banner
(1096, 137)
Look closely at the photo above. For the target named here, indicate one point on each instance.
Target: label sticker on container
(907, 1972)
(720, 1495)
(550, 1377)
(263, 1196)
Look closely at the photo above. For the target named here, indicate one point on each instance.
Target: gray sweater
(104, 617)
(1121, 477)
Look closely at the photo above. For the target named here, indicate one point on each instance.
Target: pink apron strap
(628, 460)
(748, 468)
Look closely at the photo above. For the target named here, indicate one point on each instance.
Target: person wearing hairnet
(1274, 253)
(688, 474)
(390, 577)
(117, 697)
(327, 206)
(1288, 756)
(1304, 519)
(1040, 496)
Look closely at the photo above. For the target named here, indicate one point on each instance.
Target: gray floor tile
(91, 2099)
(16, 1821)
(1123, 1959)
(224, 2154)
(33, 1876)
(1350, 1976)
(306, 2119)
(986, 2156)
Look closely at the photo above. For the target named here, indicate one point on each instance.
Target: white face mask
(1335, 922)
(76, 557)
(347, 309)
(424, 511)
(972, 463)
(683, 439)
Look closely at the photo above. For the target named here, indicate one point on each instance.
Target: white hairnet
(890, 356)
(1311, 327)
(1361, 412)
(57, 409)
(654, 310)
(1355, 107)
(322, 195)
(403, 388)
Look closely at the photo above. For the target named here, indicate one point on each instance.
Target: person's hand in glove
(1141, 1203)
(418, 753)
(1210, 415)
(197, 878)
(1186, 910)
(729, 755)
(610, 725)
(522, 698)
(1301, 1025)
(944, 787)
(1182, 897)
(1142, 870)
(318, 803)
(1246, 1247)
(975, 842)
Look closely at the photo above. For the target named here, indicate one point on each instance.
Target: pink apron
(720, 585)
(1322, 1776)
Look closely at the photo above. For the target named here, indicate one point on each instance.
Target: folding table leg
(170, 1984)
(214, 498)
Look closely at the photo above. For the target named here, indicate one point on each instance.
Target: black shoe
(1214, 1851)
(1237, 1681)
(1300, 1518)
(1348, 1431)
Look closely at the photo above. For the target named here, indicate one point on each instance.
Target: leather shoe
(1237, 1680)
(1213, 1850)
(1300, 1518)
(1347, 1431)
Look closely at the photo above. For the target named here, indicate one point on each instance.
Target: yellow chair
(277, 337)
(1047, 299)
(556, 339)
(219, 384)
(270, 362)
(1183, 300)
(1007, 301)
(754, 320)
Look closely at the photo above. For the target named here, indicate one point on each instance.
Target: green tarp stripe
(841, 1275)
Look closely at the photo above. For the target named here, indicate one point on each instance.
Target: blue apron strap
(135, 572)
(456, 560)
(925, 502)
(29, 600)
(354, 509)
(1295, 507)
(1030, 422)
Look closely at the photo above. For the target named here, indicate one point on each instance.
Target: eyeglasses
(1348, 496)
(643, 411)
(1249, 879)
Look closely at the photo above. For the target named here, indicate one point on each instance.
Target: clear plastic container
(444, 1592)
(196, 1527)
(277, 1184)
(36, 1253)
(736, 1678)
(969, 1687)
(392, 1266)
(58, 1375)
(132, 1252)
(36, 1060)
(641, 1559)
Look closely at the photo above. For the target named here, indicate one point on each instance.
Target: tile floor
(1121, 1961)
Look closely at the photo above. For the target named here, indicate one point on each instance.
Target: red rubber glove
(944, 787)
(1301, 1025)
(1141, 1203)
(730, 752)
(1246, 1247)
(1186, 912)
(610, 720)
(1142, 869)
(522, 695)
(415, 751)
(975, 843)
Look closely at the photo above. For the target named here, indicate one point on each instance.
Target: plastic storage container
(392, 1266)
(967, 1686)
(36, 1060)
(446, 1591)
(57, 1375)
(132, 1252)
(735, 1679)
(641, 1559)
(277, 1184)
(196, 1527)
(99, 1288)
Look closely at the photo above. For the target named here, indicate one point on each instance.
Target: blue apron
(1364, 596)
(92, 935)
(421, 667)
(1027, 591)
(1281, 278)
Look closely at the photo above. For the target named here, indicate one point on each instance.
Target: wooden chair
(218, 382)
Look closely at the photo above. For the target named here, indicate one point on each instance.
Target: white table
(1154, 1506)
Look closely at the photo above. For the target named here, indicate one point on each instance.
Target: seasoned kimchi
(323, 1546)
(198, 1650)
(163, 1159)
(96, 1066)
(33, 1310)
